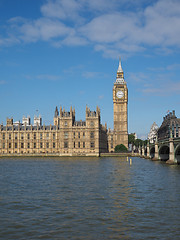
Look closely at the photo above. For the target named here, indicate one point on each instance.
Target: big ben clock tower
(120, 102)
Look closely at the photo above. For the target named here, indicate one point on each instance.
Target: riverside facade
(68, 137)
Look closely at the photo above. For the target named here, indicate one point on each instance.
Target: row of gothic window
(79, 144)
(28, 145)
(66, 145)
(22, 136)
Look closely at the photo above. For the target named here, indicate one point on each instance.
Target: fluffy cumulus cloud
(43, 29)
(110, 26)
(62, 9)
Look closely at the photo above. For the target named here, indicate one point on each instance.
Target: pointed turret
(56, 112)
(120, 70)
(98, 111)
(71, 110)
(60, 111)
(120, 74)
(87, 110)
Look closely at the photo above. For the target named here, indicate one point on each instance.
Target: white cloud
(72, 70)
(44, 77)
(168, 88)
(93, 75)
(171, 67)
(138, 77)
(109, 28)
(101, 97)
(2, 82)
(102, 5)
(16, 20)
(126, 27)
(62, 9)
(74, 40)
(43, 29)
(9, 40)
(48, 77)
(82, 92)
(108, 51)
(161, 23)
(134, 32)
(174, 66)
(156, 82)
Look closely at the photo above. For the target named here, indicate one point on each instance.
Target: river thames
(88, 198)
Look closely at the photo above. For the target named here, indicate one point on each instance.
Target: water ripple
(103, 198)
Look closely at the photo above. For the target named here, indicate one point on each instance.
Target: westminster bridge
(164, 150)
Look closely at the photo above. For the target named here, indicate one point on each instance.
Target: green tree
(131, 139)
(120, 148)
(145, 142)
(138, 142)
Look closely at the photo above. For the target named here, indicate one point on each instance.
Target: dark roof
(169, 122)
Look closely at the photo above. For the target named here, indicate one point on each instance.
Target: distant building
(37, 121)
(170, 127)
(9, 121)
(26, 120)
(17, 123)
(152, 136)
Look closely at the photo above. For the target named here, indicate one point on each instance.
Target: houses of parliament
(68, 137)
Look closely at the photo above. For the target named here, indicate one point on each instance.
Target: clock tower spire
(120, 67)
(120, 102)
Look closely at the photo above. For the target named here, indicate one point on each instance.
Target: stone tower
(120, 102)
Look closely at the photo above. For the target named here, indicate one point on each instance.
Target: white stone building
(152, 136)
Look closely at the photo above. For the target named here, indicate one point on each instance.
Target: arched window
(91, 123)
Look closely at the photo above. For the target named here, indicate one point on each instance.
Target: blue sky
(65, 52)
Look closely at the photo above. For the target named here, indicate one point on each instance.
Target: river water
(88, 198)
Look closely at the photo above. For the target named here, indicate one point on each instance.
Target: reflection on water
(98, 198)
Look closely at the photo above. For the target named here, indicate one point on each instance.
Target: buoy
(130, 161)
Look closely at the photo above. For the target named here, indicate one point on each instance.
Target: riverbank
(44, 155)
(128, 154)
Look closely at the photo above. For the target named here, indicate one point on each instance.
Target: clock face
(119, 94)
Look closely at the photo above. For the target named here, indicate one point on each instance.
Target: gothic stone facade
(68, 137)
(152, 136)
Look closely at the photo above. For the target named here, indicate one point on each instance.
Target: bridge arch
(164, 152)
(152, 152)
(177, 154)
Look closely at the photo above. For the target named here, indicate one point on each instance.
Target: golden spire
(120, 74)
(120, 66)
